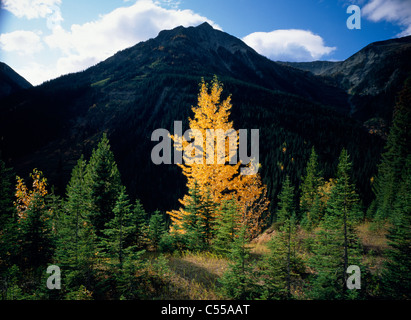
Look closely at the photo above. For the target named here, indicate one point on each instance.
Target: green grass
(100, 83)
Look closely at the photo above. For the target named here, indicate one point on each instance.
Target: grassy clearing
(194, 276)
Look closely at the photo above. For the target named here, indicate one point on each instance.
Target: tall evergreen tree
(282, 262)
(397, 272)
(393, 161)
(139, 220)
(194, 222)
(238, 282)
(310, 191)
(156, 229)
(77, 241)
(286, 206)
(227, 225)
(6, 194)
(103, 179)
(336, 244)
(35, 238)
(119, 230)
(8, 221)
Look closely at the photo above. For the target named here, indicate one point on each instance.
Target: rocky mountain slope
(153, 84)
(11, 81)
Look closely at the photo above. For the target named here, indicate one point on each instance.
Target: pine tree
(227, 226)
(310, 185)
(194, 222)
(275, 270)
(103, 179)
(238, 282)
(77, 240)
(394, 158)
(6, 195)
(35, 238)
(139, 219)
(282, 262)
(156, 229)
(336, 244)
(8, 221)
(286, 202)
(397, 272)
(120, 229)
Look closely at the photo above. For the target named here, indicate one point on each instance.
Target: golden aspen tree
(207, 161)
(26, 197)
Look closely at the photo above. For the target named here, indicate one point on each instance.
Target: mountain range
(328, 105)
(11, 81)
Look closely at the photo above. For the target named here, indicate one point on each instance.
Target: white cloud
(33, 9)
(173, 4)
(21, 42)
(36, 73)
(85, 45)
(288, 45)
(394, 11)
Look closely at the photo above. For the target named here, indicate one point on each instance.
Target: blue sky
(43, 39)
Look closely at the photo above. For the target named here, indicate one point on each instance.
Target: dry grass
(195, 276)
(374, 242)
(373, 238)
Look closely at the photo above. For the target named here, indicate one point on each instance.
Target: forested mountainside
(153, 84)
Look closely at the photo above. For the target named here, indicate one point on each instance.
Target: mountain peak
(205, 25)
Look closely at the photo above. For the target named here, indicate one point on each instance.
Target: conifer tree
(77, 240)
(119, 229)
(156, 229)
(394, 158)
(282, 263)
(35, 238)
(103, 180)
(397, 272)
(286, 202)
(6, 195)
(310, 185)
(139, 220)
(227, 226)
(8, 221)
(336, 244)
(194, 222)
(238, 281)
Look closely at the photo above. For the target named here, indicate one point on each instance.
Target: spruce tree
(6, 195)
(103, 179)
(309, 200)
(140, 224)
(336, 244)
(8, 222)
(282, 263)
(397, 271)
(192, 221)
(227, 224)
(393, 161)
(156, 229)
(119, 230)
(238, 282)
(77, 240)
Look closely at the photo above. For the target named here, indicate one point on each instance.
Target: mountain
(11, 81)
(371, 76)
(153, 84)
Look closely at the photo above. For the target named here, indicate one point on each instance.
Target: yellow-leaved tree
(26, 197)
(207, 163)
